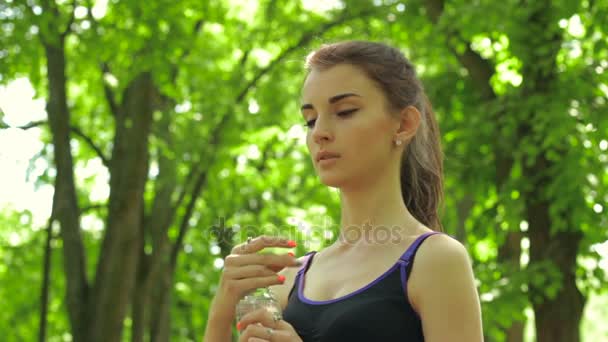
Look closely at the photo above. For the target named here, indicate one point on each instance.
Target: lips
(321, 155)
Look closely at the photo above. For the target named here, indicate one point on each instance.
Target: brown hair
(422, 161)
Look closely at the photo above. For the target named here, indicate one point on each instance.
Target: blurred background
(141, 140)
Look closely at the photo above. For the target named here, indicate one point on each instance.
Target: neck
(373, 211)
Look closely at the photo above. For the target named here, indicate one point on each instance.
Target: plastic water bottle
(258, 299)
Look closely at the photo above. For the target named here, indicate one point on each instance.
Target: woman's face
(346, 115)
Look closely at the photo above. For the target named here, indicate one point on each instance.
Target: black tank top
(379, 311)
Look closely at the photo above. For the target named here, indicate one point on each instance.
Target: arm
(219, 323)
(244, 270)
(442, 291)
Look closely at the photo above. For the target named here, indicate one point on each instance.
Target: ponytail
(422, 170)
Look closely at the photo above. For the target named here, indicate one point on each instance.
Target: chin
(331, 184)
(334, 181)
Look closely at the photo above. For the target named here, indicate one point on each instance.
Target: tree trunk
(161, 320)
(140, 303)
(117, 265)
(557, 318)
(155, 232)
(509, 254)
(65, 201)
(46, 280)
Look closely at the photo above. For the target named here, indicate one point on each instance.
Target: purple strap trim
(303, 299)
(406, 259)
(403, 262)
(414, 246)
(306, 265)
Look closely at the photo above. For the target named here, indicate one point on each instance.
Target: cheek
(371, 133)
(309, 141)
(373, 142)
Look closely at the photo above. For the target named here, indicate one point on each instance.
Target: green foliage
(21, 255)
(229, 74)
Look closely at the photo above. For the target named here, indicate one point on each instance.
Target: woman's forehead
(340, 79)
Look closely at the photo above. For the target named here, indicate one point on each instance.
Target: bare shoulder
(438, 260)
(439, 251)
(441, 288)
(281, 292)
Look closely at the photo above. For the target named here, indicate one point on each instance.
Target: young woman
(373, 135)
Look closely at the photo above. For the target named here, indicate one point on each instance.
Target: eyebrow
(331, 100)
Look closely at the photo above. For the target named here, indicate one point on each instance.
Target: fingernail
(292, 254)
(281, 278)
(238, 326)
(291, 243)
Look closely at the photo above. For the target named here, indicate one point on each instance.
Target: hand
(260, 326)
(245, 270)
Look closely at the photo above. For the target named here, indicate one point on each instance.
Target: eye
(310, 123)
(342, 114)
(348, 112)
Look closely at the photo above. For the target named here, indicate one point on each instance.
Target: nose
(322, 132)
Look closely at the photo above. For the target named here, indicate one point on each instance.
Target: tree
(189, 108)
(137, 258)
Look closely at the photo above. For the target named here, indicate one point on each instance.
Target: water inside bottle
(260, 298)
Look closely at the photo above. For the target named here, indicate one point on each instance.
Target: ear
(409, 121)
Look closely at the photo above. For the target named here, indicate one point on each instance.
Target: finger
(283, 325)
(245, 334)
(257, 339)
(249, 271)
(263, 316)
(255, 283)
(270, 260)
(282, 330)
(261, 242)
(264, 333)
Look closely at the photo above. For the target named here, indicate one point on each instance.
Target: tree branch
(182, 194)
(183, 228)
(104, 66)
(4, 125)
(107, 91)
(91, 144)
(67, 29)
(46, 280)
(93, 207)
(480, 69)
(73, 129)
(198, 25)
(305, 39)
